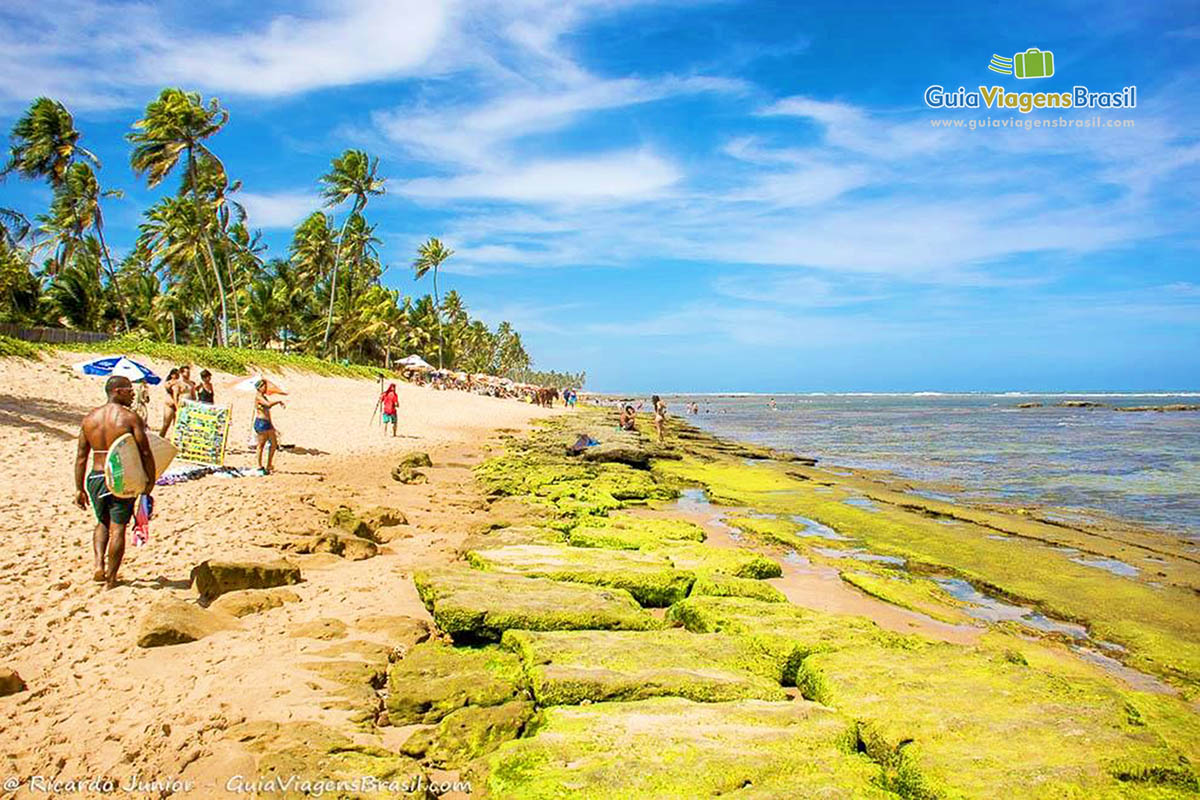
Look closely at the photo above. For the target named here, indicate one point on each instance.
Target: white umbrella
(415, 362)
(248, 385)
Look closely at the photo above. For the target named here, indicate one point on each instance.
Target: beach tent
(415, 362)
(121, 366)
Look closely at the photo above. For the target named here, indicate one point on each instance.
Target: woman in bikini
(263, 427)
(169, 405)
(204, 392)
(660, 415)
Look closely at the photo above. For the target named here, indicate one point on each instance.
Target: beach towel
(143, 509)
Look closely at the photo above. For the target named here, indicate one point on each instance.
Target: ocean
(1143, 467)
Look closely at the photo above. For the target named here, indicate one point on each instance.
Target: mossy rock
(669, 748)
(619, 532)
(782, 627)
(503, 537)
(718, 585)
(434, 679)
(294, 754)
(402, 633)
(649, 578)
(473, 605)
(170, 620)
(949, 721)
(324, 629)
(213, 578)
(344, 518)
(356, 681)
(571, 667)
(468, 733)
(415, 460)
(735, 561)
(408, 475)
(907, 591)
(772, 530)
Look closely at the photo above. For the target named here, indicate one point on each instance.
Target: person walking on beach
(660, 416)
(169, 404)
(100, 428)
(264, 429)
(205, 392)
(389, 401)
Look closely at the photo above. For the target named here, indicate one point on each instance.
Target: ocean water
(1139, 466)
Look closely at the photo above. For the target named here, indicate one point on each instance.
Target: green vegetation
(15, 347)
(198, 273)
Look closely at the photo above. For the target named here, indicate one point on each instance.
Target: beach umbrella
(415, 362)
(248, 385)
(119, 365)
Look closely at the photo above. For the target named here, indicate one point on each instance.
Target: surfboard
(123, 471)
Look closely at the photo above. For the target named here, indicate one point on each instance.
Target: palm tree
(74, 211)
(176, 124)
(430, 256)
(353, 174)
(14, 227)
(45, 143)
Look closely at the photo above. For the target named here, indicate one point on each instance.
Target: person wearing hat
(264, 429)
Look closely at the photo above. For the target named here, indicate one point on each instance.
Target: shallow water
(1113, 565)
(1144, 467)
(989, 609)
(814, 528)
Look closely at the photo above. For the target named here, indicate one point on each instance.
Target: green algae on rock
(623, 532)
(570, 667)
(670, 748)
(651, 579)
(471, 604)
(702, 558)
(949, 721)
(911, 592)
(468, 733)
(715, 584)
(435, 679)
(303, 758)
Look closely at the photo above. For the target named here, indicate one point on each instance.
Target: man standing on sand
(389, 401)
(101, 427)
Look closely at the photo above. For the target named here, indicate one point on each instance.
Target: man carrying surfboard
(101, 427)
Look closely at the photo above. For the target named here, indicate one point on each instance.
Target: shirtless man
(101, 427)
(185, 387)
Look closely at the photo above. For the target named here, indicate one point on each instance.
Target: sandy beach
(98, 705)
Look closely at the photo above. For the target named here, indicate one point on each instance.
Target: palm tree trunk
(208, 254)
(437, 310)
(112, 276)
(337, 259)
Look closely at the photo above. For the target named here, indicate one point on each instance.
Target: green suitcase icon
(1034, 63)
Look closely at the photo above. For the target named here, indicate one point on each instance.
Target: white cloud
(278, 210)
(611, 176)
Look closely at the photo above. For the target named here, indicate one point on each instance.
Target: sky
(701, 196)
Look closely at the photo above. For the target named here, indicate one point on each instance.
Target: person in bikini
(169, 403)
(100, 428)
(660, 415)
(264, 429)
(205, 392)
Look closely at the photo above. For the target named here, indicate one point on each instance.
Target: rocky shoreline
(597, 647)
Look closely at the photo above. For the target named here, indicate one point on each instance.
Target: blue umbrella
(119, 365)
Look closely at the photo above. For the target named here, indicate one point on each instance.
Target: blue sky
(701, 196)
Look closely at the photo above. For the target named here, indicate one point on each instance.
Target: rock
(356, 549)
(414, 460)
(472, 605)
(173, 621)
(402, 633)
(215, 578)
(336, 543)
(1079, 404)
(356, 686)
(10, 682)
(435, 679)
(633, 533)
(717, 585)
(345, 519)
(308, 751)
(702, 558)
(617, 452)
(468, 733)
(650, 578)
(1172, 407)
(668, 747)
(569, 667)
(378, 517)
(324, 629)
(409, 475)
(253, 601)
(503, 537)
(963, 722)
(1029, 405)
